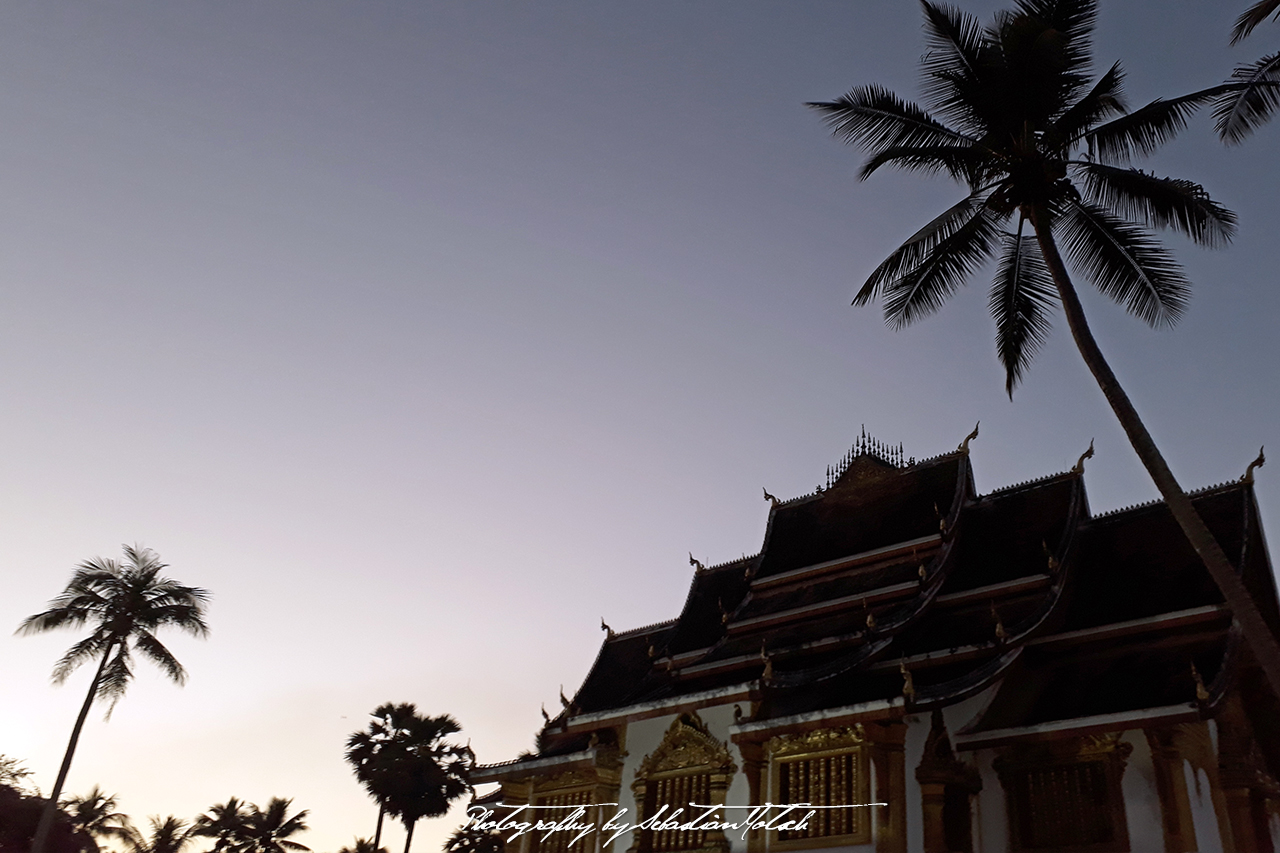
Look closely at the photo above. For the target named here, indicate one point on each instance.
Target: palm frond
(1254, 15)
(1022, 295)
(1242, 110)
(1104, 100)
(917, 246)
(1146, 129)
(877, 119)
(90, 648)
(964, 163)
(1125, 262)
(151, 648)
(1159, 202)
(925, 288)
(115, 678)
(957, 65)
(1073, 19)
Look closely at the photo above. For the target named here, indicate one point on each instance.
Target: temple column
(1171, 785)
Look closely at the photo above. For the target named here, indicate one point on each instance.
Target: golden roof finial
(1257, 463)
(770, 498)
(1088, 454)
(697, 564)
(964, 445)
(908, 686)
(1001, 633)
(767, 675)
(1202, 693)
(606, 628)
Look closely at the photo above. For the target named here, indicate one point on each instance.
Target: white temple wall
(1141, 797)
(1204, 817)
(990, 818)
(912, 751)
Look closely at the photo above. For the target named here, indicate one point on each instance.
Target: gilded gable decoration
(687, 745)
(689, 767)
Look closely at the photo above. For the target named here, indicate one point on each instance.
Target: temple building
(932, 669)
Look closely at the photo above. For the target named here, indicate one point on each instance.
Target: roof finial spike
(1202, 694)
(1257, 463)
(964, 445)
(908, 686)
(1088, 454)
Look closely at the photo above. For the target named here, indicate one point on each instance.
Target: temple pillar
(888, 759)
(1171, 786)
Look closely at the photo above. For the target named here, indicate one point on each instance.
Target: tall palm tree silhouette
(126, 602)
(1044, 153)
(406, 764)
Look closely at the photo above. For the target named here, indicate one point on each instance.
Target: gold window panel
(1066, 796)
(828, 769)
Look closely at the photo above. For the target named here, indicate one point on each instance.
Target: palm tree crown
(1015, 117)
(126, 602)
(95, 814)
(226, 823)
(168, 835)
(1044, 154)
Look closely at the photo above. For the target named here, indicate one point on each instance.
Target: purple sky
(425, 335)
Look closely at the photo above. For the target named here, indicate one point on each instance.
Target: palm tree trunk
(51, 807)
(377, 832)
(1259, 636)
(408, 834)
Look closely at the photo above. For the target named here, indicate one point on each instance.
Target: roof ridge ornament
(603, 627)
(1078, 468)
(698, 568)
(770, 498)
(1257, 463)
(964, 445)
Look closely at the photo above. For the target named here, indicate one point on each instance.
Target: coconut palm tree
(468, 839)
(363, 845)
(226, 823)
(168, 835)
(1044, 152)
(95, 815)
(268, 830)
(126, 602)
(1240, 111)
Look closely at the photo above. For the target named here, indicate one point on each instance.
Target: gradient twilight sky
(426, 334)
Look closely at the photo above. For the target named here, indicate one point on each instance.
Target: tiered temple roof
(899, 586)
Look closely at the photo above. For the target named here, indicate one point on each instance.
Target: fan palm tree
(268, 830)
(168, 835)
(430, 775)
(126, 602)
(370, 752)
(95, 815)
(226, 823)
(1044, 154)
(1240, 111)
(408, 767)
